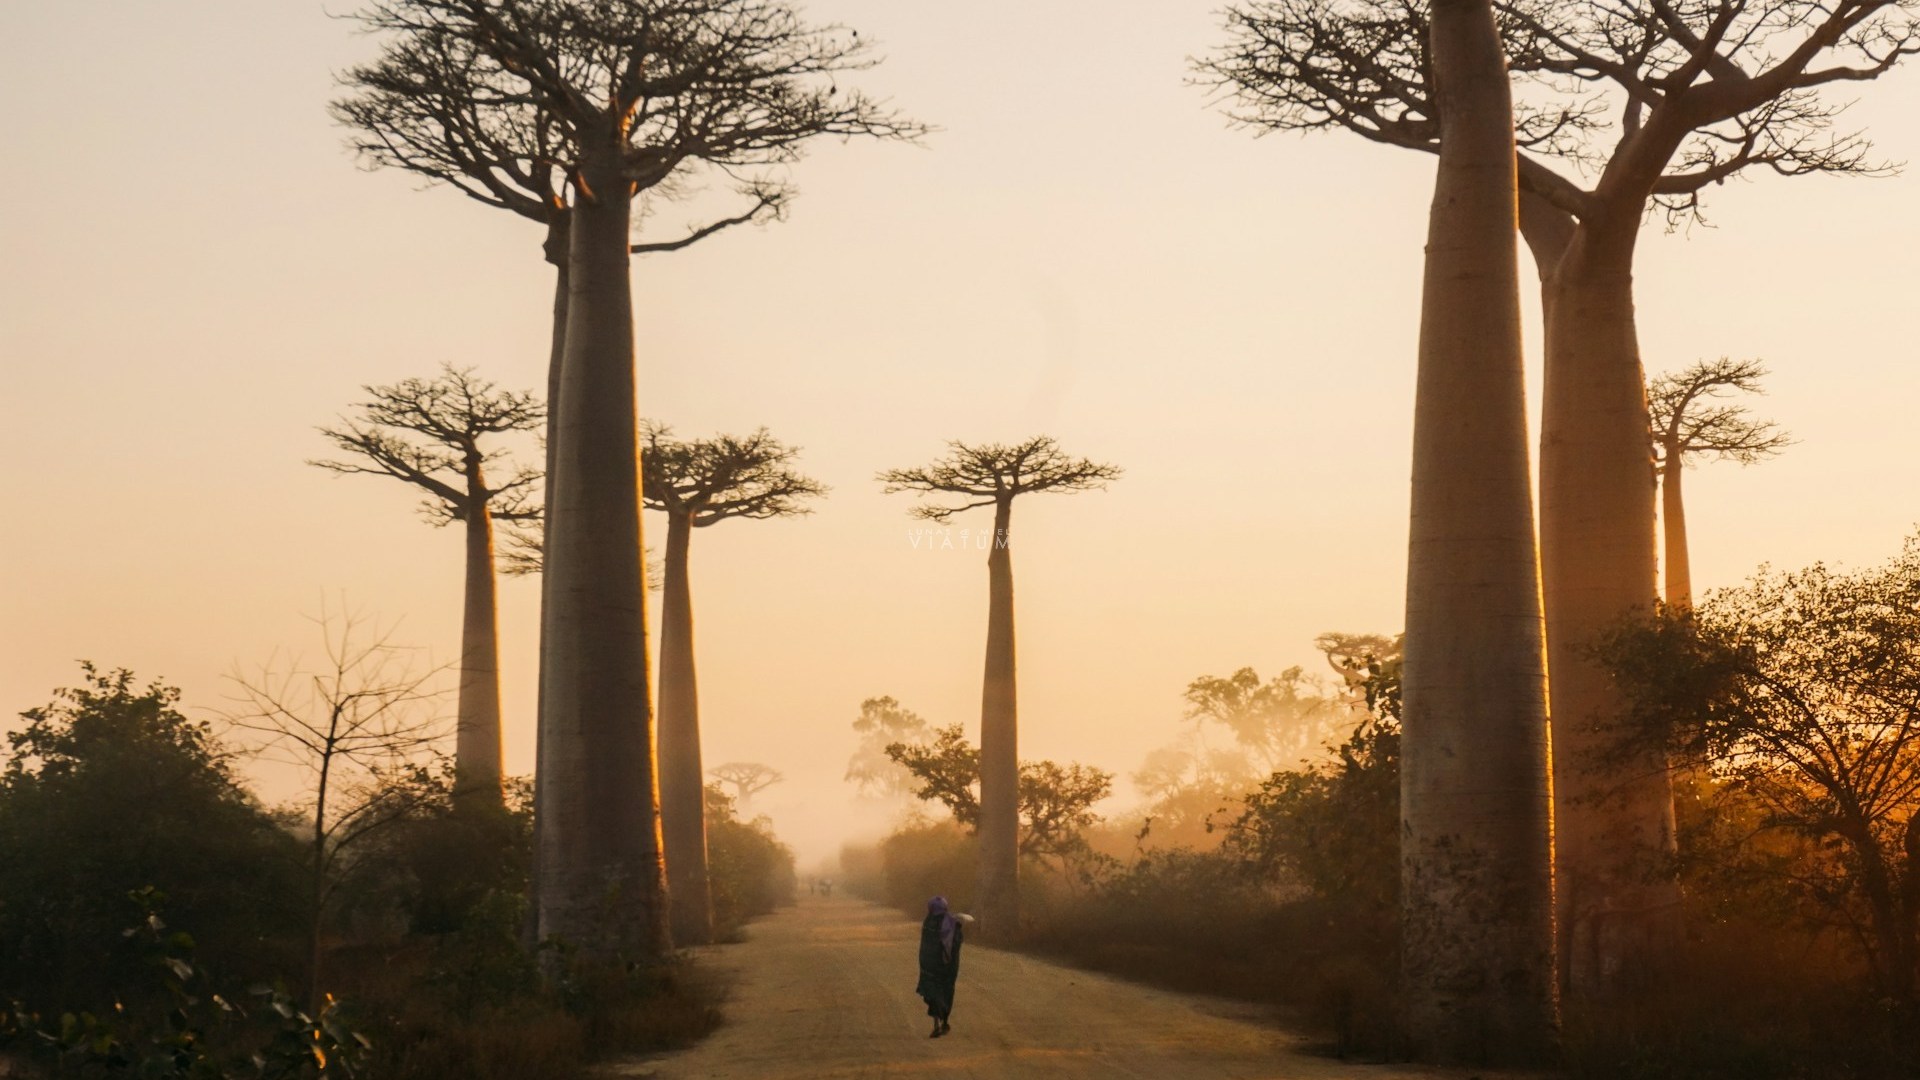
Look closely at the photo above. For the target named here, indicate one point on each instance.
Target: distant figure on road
(941, 935)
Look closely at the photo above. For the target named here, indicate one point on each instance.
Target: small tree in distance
(882, 722)
(364, 712)
(993, 474)
(1692, 420)
(433, 434)
(1056, 801)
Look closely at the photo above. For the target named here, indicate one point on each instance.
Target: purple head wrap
(948, 924)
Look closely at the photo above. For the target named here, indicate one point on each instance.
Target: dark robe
(938, 970)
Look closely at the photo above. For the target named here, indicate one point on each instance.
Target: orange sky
(196, 274)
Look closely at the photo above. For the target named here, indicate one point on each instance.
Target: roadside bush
(109, 791)
(749, 870)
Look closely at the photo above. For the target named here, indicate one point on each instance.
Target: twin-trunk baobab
(993, 474)
(1701, 92)
(566, 112)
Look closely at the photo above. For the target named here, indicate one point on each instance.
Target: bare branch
(727, 476)
(452, 414)
(1690, 421)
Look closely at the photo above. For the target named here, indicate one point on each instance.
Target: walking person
(941, 935)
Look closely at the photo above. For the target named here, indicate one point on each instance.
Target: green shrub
(109, 791)
(749, 870)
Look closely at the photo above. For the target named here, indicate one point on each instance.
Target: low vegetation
(1790, 709)
(156, 918)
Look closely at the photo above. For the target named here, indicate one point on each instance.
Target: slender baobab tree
(608, 101)
(1477, 901)
(698, 483)
(994, 475)
(747, 779)
(1692, 420)
(431, 434)
(1702, 91)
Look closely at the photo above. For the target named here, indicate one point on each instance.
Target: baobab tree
(697, 484)
(993, 474)
(608, 102)
(1702, 92)
(746, 778)
(432, 434)
(1692, 420)
(1476, 884)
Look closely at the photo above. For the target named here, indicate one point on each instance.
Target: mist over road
(825, 989)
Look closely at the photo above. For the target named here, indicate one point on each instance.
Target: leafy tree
(698, 484)
(608, 102)
(442, 858)
(1056, 801)
(1628, 110)
(1692, 422)
(1333, 828)
(994, 475)
(1279, 721)
(1801, 690)
(882, 722)
(109, 791)
(431, 434)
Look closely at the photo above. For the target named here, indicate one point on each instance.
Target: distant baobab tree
(1476, 824)
(699, 483)
(747, 779)
(574, 109)
(433, 434)
(1702, 92)
(992, 474)
(1692, 420)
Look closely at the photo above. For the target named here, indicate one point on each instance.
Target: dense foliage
(153, 915)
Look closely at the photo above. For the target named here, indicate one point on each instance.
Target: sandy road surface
(825, 989)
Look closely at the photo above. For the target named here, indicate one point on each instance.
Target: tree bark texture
(999, 872)
(682, 796)
(601, 880)
(1476, 826)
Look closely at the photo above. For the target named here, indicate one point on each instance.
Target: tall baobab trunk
(555, 249)
(476, 751)
(1673, 521)
(1613, 817)
(683, 819)
(600, 880)
(999, 883)
(1476, 837)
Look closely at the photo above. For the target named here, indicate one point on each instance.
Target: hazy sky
(196, 274)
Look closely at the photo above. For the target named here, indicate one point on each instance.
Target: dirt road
(825, 989)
